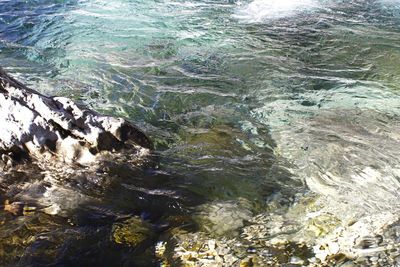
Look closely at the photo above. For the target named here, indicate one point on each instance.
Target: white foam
(262, 10)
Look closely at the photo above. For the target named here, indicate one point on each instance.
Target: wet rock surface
(37, 126)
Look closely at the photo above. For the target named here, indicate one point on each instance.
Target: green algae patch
(131, 232)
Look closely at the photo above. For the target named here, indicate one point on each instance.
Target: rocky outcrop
(34, 126)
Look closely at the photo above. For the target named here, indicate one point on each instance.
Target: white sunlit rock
(36, 126)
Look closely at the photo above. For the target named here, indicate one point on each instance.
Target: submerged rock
(41, 127)
(131, 232)
(222, 218)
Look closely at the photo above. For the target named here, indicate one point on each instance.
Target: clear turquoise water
(242, 99)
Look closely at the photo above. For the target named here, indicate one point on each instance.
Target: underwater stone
(131, 232)
(41, 127)
(223, 217)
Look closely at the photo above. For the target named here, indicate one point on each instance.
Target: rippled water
(246, 101)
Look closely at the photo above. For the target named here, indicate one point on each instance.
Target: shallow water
(246, 101)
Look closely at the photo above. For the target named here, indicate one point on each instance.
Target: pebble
(251, 250)
(312, 260)
(334, 248)
(374, 259)
(296, 260)
(211, 244)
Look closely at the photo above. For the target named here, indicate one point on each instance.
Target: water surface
(247, 102)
